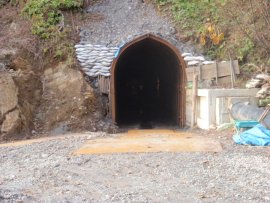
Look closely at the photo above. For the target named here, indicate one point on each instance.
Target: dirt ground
(48, 172)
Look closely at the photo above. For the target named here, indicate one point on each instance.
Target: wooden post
(232, 73)
(200, 71)
(194, 100)
(216, 72)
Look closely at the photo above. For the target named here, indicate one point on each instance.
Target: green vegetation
(224, 28)
(49, 23)
(246, 47)
(199, 18)
(193, 13)
(47, 16)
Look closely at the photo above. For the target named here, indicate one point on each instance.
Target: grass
(49, 24)
(46, 15)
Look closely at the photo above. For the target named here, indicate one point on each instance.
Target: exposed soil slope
(49, 95)
(52, 95)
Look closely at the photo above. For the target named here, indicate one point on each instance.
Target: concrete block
(212, 107)
(223, 104)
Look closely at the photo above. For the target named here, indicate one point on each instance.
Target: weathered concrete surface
(223, 104)
(207, 114)
(9, 114)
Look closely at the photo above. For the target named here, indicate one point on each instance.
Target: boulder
(9, 114)
(66, 97)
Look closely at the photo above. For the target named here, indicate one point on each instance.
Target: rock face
(9, 112)
(55, 100)
(66, 98)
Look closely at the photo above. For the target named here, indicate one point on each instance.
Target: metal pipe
(244, 111)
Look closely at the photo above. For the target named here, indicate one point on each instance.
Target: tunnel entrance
(147, 84)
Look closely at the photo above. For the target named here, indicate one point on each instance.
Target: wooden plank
(235, 74)
(109, 84)
(232, 73)
(210, 72)
(200, 72)
(104, 84)
(224, 80)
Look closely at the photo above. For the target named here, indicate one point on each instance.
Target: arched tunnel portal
(148, 83)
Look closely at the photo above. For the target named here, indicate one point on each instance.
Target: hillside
(42, 90)
(224, 29)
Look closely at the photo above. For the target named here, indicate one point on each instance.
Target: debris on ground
(261, 81)
(225, 126)
(258, 81)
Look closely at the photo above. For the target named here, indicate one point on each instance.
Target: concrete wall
(212, 105)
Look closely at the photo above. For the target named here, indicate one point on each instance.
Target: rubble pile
(260, 81)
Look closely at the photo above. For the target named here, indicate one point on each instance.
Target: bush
(238, 28)
(253, 20)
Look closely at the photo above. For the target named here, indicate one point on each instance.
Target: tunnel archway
(148, 83)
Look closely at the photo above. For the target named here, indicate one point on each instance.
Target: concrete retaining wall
(212, 105)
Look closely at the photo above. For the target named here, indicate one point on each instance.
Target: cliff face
(36, 101)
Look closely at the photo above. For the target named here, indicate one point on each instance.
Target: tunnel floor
(146, 85)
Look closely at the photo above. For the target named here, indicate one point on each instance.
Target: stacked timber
(220, 72)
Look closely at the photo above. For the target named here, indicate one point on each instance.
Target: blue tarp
(118, 51)
(256, 136)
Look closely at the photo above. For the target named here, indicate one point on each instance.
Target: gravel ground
(126, 19)
(48, 172)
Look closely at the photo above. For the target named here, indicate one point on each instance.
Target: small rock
(44, 155)
(267, 198)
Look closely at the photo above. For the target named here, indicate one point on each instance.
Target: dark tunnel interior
(146, 85)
